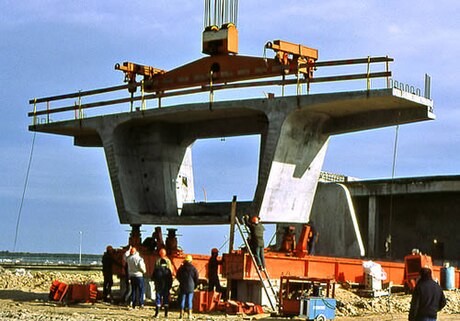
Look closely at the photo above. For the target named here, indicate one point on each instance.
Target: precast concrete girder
(149, 157)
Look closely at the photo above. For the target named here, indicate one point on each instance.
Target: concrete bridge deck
(149, 152)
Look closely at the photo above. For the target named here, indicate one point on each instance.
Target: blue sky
(51, 47)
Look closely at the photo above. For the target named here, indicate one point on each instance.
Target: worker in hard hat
(163, 256)
(213, 271)
(162, 277)
(136, 270)
(256, 240)
(107, 272)
(187, 275)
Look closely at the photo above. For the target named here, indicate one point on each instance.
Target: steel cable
(24, 192)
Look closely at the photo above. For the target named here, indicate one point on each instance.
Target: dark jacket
(257, 234)
(107, 262)
(213, 267)
(187, 275)
(162, 277)
(427, 299)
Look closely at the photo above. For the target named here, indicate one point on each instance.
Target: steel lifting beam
(292, 48)
(229, 72)
(132, 69)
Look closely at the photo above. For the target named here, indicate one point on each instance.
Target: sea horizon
(50, 258)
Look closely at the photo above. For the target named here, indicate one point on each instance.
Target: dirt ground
(24, 296)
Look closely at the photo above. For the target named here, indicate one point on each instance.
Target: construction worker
(187, 275)
(213, 271)
(427, 299)
(163, 256)
(162, 277)
(256, 240)
(107, 272)
(136, 270)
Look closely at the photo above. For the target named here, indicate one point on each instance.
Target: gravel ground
(24, 296)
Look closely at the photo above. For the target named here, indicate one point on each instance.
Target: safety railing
(78, 107)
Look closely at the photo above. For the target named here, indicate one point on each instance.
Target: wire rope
(393, 171)
(24, 192)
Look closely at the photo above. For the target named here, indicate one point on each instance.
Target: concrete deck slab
(147, 154)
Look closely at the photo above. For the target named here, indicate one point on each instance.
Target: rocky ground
(24, 296)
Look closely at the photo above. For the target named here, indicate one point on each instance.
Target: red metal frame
(412, 265)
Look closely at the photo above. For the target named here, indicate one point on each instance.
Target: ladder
(261, 278)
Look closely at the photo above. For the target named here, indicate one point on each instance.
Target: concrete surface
(148, 152)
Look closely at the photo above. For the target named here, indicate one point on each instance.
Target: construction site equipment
(447, 277)
(236, 307)
(412, 265)
(73, 293)
(260, 272)
(205, 301)
(373, 275)
(171, 242)
(301, 249)
(305, 297)
(208, 301)
(288, 244)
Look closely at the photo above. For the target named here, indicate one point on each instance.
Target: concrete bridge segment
(149, 152)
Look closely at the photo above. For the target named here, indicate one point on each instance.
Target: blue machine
(317, 308)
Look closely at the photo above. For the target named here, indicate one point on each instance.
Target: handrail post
(143, 104)
(368, 72)
(387, 63)
(211, 90)
(47, 112)
(35, 112)
(80, 111)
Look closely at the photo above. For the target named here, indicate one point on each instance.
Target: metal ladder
(267, 277)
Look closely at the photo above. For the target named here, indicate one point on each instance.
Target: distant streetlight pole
(81, 237)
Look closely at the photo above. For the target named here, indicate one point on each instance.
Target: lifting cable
(393, 170)
(388, 241)
(24, 192)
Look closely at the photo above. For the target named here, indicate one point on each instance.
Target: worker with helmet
(163, 256)
(162, 277)
(187, 275)
(213, 271)
(256, 240)
(136, 270)
(107, 272)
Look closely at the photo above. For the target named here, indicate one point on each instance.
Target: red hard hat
(254, 219)
(132, 250)
(215, 250)
(162, 253)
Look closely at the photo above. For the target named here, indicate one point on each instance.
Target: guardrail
(78, 107)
